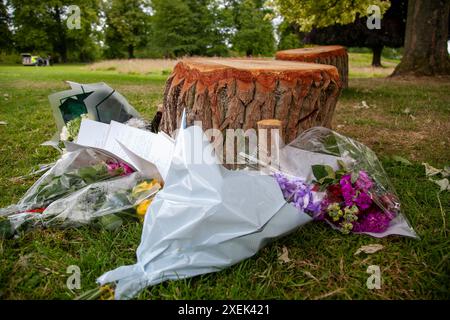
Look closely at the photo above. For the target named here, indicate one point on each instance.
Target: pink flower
(363, 201)
(114, 167)
(374, 221)
(364, 182)
(347, 190)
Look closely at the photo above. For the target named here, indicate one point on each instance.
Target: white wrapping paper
(206, 218)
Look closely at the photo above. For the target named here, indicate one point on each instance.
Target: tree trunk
(130, 51)
(237, 93)
(61, 41)
(332, 55)
(425, 52)
(376, 56)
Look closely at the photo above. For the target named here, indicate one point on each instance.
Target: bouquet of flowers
(72, 172)
(104, 203)
(353, 201)
(352, 195)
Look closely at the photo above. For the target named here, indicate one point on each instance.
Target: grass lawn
(408, 118)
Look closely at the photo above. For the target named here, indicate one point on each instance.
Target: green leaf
(319, 171)
(110, 222)
(330, 172)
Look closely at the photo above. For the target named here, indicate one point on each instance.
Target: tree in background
(323, 13)
(188, 27)
(6, 43)
(427, 32)
(392, 32)
(289, 36)
(341, 22)
(254, 31)
(42, 26)
(126, 27)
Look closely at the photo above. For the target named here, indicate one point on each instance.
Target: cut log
(333, 55)
(269, 141)
(237, 93)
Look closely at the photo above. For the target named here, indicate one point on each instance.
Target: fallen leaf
(371, 248)
(363, 105)
(401, 160)
(443, 184)
(284, 257)
(430, 170)
(309, 274)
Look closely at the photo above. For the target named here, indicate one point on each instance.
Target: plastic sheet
(205, 219)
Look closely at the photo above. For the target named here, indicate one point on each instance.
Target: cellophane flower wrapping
(338, 180)
(105, 203)
(206, 218)
(74, 171)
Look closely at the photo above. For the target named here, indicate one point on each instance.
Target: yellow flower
(142, 207)
(144, 186)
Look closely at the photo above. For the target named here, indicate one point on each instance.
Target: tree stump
(333, 55)
(237, 93)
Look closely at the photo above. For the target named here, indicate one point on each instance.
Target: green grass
(323, 262)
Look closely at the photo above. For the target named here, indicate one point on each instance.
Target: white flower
(64, 136)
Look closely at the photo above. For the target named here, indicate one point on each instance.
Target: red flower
(335, 190)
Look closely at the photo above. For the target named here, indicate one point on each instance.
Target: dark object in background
(156, 121)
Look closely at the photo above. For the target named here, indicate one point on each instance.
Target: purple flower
(374, 221)
(363, 201)
(297, 192)
(348, 193)
(364, 182)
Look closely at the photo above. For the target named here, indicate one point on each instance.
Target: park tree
(427, 32)
(289, 36)
(391, 32)
(6, 43)
(254, 31)
(341, 22)
(42, 26)
(188, 27)
(323, 13)
(127, 26)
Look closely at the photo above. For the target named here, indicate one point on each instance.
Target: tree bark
(332, 55)
(376, 56)
(61, 41)
(237, 93)
(425, 52)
